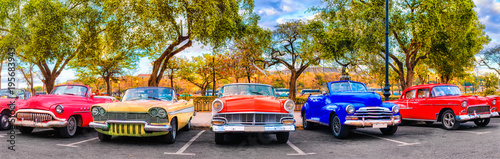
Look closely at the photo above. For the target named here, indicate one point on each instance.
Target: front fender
(305, 109)
(327, 110)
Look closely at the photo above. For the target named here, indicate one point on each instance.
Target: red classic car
(65, 109)
(445, 103)
(16, 96)
(251, 108)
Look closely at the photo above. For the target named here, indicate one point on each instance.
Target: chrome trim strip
(476, 116)
(418, 119)
(184, 110)
(105, 126)
(82, 112)
(49, 124)
(241, 128)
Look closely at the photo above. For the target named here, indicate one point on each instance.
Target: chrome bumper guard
(395, 120)
(238, 128)
(476, 116)
(147, 127)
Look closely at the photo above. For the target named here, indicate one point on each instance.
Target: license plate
(254, 129)
(379, 125)
(484, 116)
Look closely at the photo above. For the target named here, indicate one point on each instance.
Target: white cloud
(268, 11)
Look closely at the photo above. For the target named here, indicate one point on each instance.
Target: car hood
(131, 106)
(245, 103)
(471, 100)
(46, 101)
(366, 98)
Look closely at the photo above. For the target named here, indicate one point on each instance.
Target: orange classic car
(251, 108)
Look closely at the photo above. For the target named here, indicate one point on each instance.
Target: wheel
(482, 122)
(307, 125)
(429, 122)
(219, 138)
(449, 120)
(4, 121)
(70, 129)
(389, 130)
(339, 131)
(25, 130)
(170, 137)
(282, 137)
(103, 137)
(188, 126)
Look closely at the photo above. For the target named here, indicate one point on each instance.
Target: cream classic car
(142, 112)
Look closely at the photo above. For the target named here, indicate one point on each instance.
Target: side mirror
(219, 94)
(278, 95)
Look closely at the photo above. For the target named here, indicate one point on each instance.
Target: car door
(316, 102)
(406, 105)
(420, 104)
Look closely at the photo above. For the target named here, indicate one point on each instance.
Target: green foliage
(491, 81)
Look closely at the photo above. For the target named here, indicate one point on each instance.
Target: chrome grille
(126, 129)
(38, 117)
(129, 116)
(374, 113)
(254, 118)
(478, 109)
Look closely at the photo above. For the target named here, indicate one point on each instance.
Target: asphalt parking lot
(414, 141)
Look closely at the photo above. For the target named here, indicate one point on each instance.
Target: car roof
(247, 84)
(345, 81)
(427, 86)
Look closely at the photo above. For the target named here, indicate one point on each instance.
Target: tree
(48, 33)
(295, 49)
(491, 58)
(198, 72)
(249, 50)
(419, 30)
(28, 74)
(176, 24)
(174, 65)
(111, 47)
(490, 82)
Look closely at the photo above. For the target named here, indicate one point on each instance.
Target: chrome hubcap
(174, 130)
(5, 121)
(72, 126)
(336, 125)
(449, 120)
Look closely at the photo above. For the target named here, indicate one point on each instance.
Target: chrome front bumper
(476, 116)
(55, 122)
(49, 124)
(147, 127)
(395, 120)
(238, 128)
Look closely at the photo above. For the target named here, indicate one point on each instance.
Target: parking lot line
(401, 143)
(299, 151)
(1, 136)
(79, 142)
(477, 133)
(183, 148)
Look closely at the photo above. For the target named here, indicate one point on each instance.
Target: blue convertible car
(346, 105)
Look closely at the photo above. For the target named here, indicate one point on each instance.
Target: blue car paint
(320, 107)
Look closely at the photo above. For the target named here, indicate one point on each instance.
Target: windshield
(247, 89)
(70, 90)
(149, 93)
(348, 86)
(5, 93)
(282, 90)
(446, 91)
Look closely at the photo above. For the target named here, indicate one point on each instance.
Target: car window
(423, 93)
(410, 94)
(445, 91)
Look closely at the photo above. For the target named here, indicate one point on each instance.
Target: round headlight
(162, 113)
(464, 104)
(217, 105)
(59, 109)
(153, 112)
(95, 111)
(395, 109)
(289, 105)
(349, 109)
(494, 102)
(102, 111)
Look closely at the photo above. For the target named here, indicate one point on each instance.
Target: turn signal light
(288, 122)
(351, 118)
(217, 122)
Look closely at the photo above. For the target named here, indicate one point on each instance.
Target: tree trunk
(172, 79)
(291, 85)
(248, 78)
(203, 91)
(49, 83)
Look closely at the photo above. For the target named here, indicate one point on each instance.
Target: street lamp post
(136, 83)
(387, 87)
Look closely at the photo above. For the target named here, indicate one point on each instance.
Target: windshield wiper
(155, 98)
(257, 93)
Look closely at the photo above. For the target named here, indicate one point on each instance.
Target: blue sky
(273, 12)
